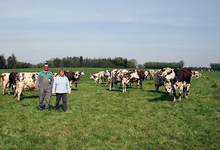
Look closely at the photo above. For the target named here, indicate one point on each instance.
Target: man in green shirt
(44, 86)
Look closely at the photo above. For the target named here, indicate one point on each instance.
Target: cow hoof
(174, 101)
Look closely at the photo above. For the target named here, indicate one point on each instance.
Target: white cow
(4, 81)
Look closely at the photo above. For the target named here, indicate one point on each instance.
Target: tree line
(69, 62)
(73, 62)
(215, 66)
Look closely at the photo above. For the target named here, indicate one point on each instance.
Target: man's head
(46, 66)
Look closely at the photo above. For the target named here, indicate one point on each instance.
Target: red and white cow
(143, 75)
(74, 77)
(115, 77)
(180, 79)
(196, 74)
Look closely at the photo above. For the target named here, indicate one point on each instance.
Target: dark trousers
(64, 100)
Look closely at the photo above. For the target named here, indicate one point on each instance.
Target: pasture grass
(100, 119)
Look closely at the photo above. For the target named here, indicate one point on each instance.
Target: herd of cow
(171, 79)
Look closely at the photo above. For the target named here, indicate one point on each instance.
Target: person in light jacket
(61, 87)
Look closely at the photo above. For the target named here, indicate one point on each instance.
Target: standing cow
(74, 77)
(179, 78)
(4, 81)
(25, 80)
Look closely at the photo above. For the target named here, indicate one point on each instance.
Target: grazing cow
(107, 75)
(74, 77)
(160, 82)
(196, 74)
(129, 77)
(25, 80)
(179, 78)
(98, 77)
(4, 81)
(116, 76)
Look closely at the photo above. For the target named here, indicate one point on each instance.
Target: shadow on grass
(27, 97)
(51, 107)
(163, 96)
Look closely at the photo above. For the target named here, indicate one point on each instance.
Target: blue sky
(145, 30)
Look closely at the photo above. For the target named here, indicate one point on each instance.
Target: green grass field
(99, 119)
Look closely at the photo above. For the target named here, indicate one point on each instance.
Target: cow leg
(137, 83)
(71, 83)
(184, 92)
(19, 94)
(187, 90)
(76, 86)
(141, 84)
(174, 93)
(110, 85)
(180, 93)
(9, 89)
(124, 87)
(3, 88)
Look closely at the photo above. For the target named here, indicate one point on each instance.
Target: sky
(145, 30)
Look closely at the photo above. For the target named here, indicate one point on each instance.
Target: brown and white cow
(4, 81)
(179, 78)
(160, 82)
(128, 78)
(74, 77)
(25, 80)
(196, 74)
(142, 75)
(115, 77)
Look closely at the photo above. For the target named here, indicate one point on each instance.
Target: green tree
(119, 62)
(12, 60)
(81, 61)
(2, 62)
(134, 62)
(56, 62)
(130, 64)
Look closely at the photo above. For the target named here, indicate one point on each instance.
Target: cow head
(146, 73)
(168, 87)
(167, 74)
(126, 78)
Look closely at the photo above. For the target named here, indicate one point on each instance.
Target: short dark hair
(62, 69)
(46, 64)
